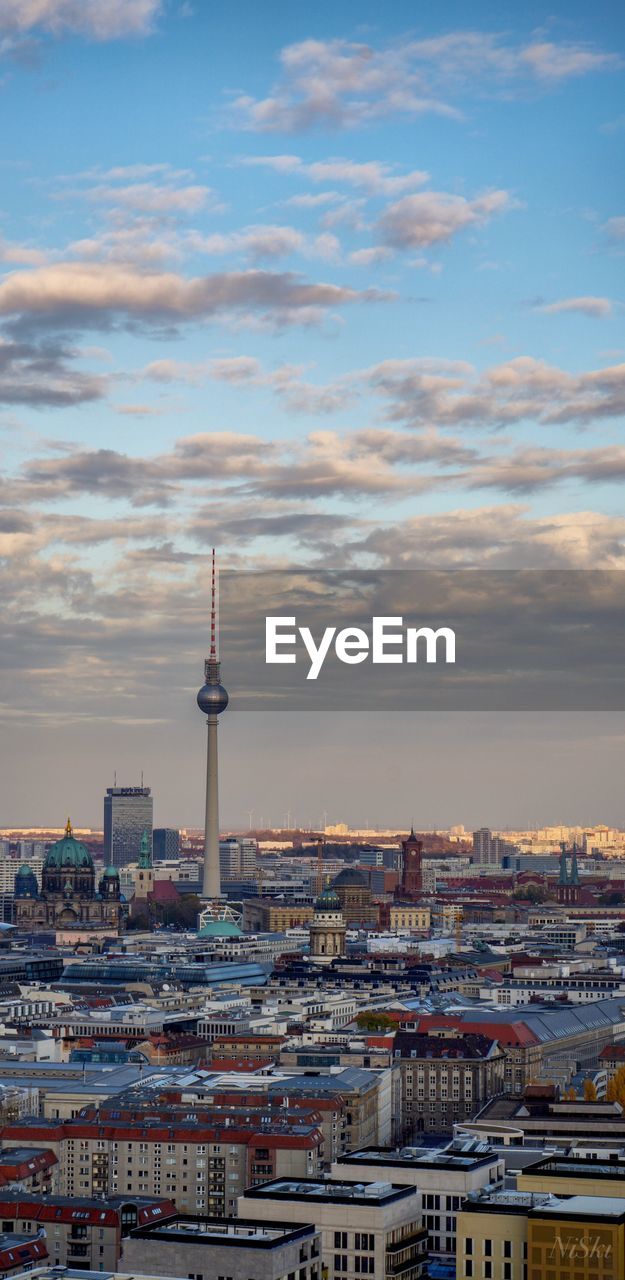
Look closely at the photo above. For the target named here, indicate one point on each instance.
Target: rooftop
(224, 1231)
(364, 1193)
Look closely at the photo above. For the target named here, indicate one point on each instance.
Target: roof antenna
(115, 778)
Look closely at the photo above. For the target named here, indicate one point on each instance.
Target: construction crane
(458, 927)
(320, 845)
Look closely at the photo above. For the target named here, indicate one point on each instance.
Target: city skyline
(345, 294)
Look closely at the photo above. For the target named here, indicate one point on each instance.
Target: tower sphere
(212, 699)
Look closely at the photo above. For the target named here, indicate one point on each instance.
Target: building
(204, 1165)
(165, 844)
(568, 881)
(68, 895)
(270, 915)
(327, 927)
(354, 893)
(28, 1169)
(237, 857)
(490, 850)
(520, 1235)
(127, 814)
(237, 1248)
(445, 1079)
(20, 1253)
(82, 1232)
(405, 915)
(444, 1176)
(366, 1230)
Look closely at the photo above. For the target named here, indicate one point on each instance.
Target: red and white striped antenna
(213, 648)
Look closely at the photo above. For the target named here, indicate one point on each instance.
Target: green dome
(328, 901)
(68, 852)
(219, 929)
(111, 871)
(24, 870)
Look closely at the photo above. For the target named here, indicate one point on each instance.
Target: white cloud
(585, 306)
(96, 19)
(433, 217)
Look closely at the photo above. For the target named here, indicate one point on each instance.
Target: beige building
(264, 915)
(405, 916)
(519, 1235)
(373, 1230)
(445, 1177)
(236, 1248)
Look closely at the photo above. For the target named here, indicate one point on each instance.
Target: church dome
(111, 872)
(328, 900)
(350, 878)
(68, 853)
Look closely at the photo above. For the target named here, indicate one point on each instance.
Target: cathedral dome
(350, 878)
(68, 852)
(328, 900)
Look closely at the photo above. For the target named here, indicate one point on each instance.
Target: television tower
(212, 699)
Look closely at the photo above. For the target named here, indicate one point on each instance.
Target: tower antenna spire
(213, 648)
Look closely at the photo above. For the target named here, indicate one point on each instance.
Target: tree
(616, 1087)
(590, 1091)
(372, 1021)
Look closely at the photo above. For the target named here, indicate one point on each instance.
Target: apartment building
(236, 1248)
(29, 1169)
(366, 1230)
(81, 1233)
(203, 1166)
(20, 1253)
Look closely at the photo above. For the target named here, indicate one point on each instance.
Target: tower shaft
(211, 885)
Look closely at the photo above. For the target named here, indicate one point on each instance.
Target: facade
(406, 916)
(203, 1166)
(327, 927)
(238, 1248)
(374, 1230)
(20, 1253)
(445, 1177)
(165, 843)
(445, 1079)
(263, 915)
(519, 1235)
(127, 814)
(81, 1233)
(68, 896)
(490, 850)
(237, 857)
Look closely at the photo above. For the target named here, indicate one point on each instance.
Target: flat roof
(225, 1231)
(437, 1159)
(576, 1167)
(331, 1191)
(594, 1207)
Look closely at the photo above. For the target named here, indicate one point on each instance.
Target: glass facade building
(127, 814)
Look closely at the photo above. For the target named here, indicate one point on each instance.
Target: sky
(322, 287)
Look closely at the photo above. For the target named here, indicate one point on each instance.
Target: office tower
(165, 843)
(212, 699)
(127, 814)
(237, 857)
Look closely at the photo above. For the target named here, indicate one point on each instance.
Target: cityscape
(312, 830)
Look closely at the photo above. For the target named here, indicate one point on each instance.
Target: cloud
(148, 197)
(373, 176)
(338, 84)
(96, 19)
(268, 243)
(519, 389)
(527, 470)
(500, 537)
(597, 308)
(434, 217)
(66, 294)
(614, 229)
(40, 375)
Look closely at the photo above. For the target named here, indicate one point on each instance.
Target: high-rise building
(411, 885)
(489, 850)
(127, 814)
(165, 843)
(237, 857)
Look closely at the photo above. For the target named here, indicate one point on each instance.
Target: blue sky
(323, 287)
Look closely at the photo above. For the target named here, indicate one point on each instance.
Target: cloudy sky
(323, 289)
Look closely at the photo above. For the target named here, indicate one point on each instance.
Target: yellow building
(405, 916)
(519, 1235)
(574, 1176)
